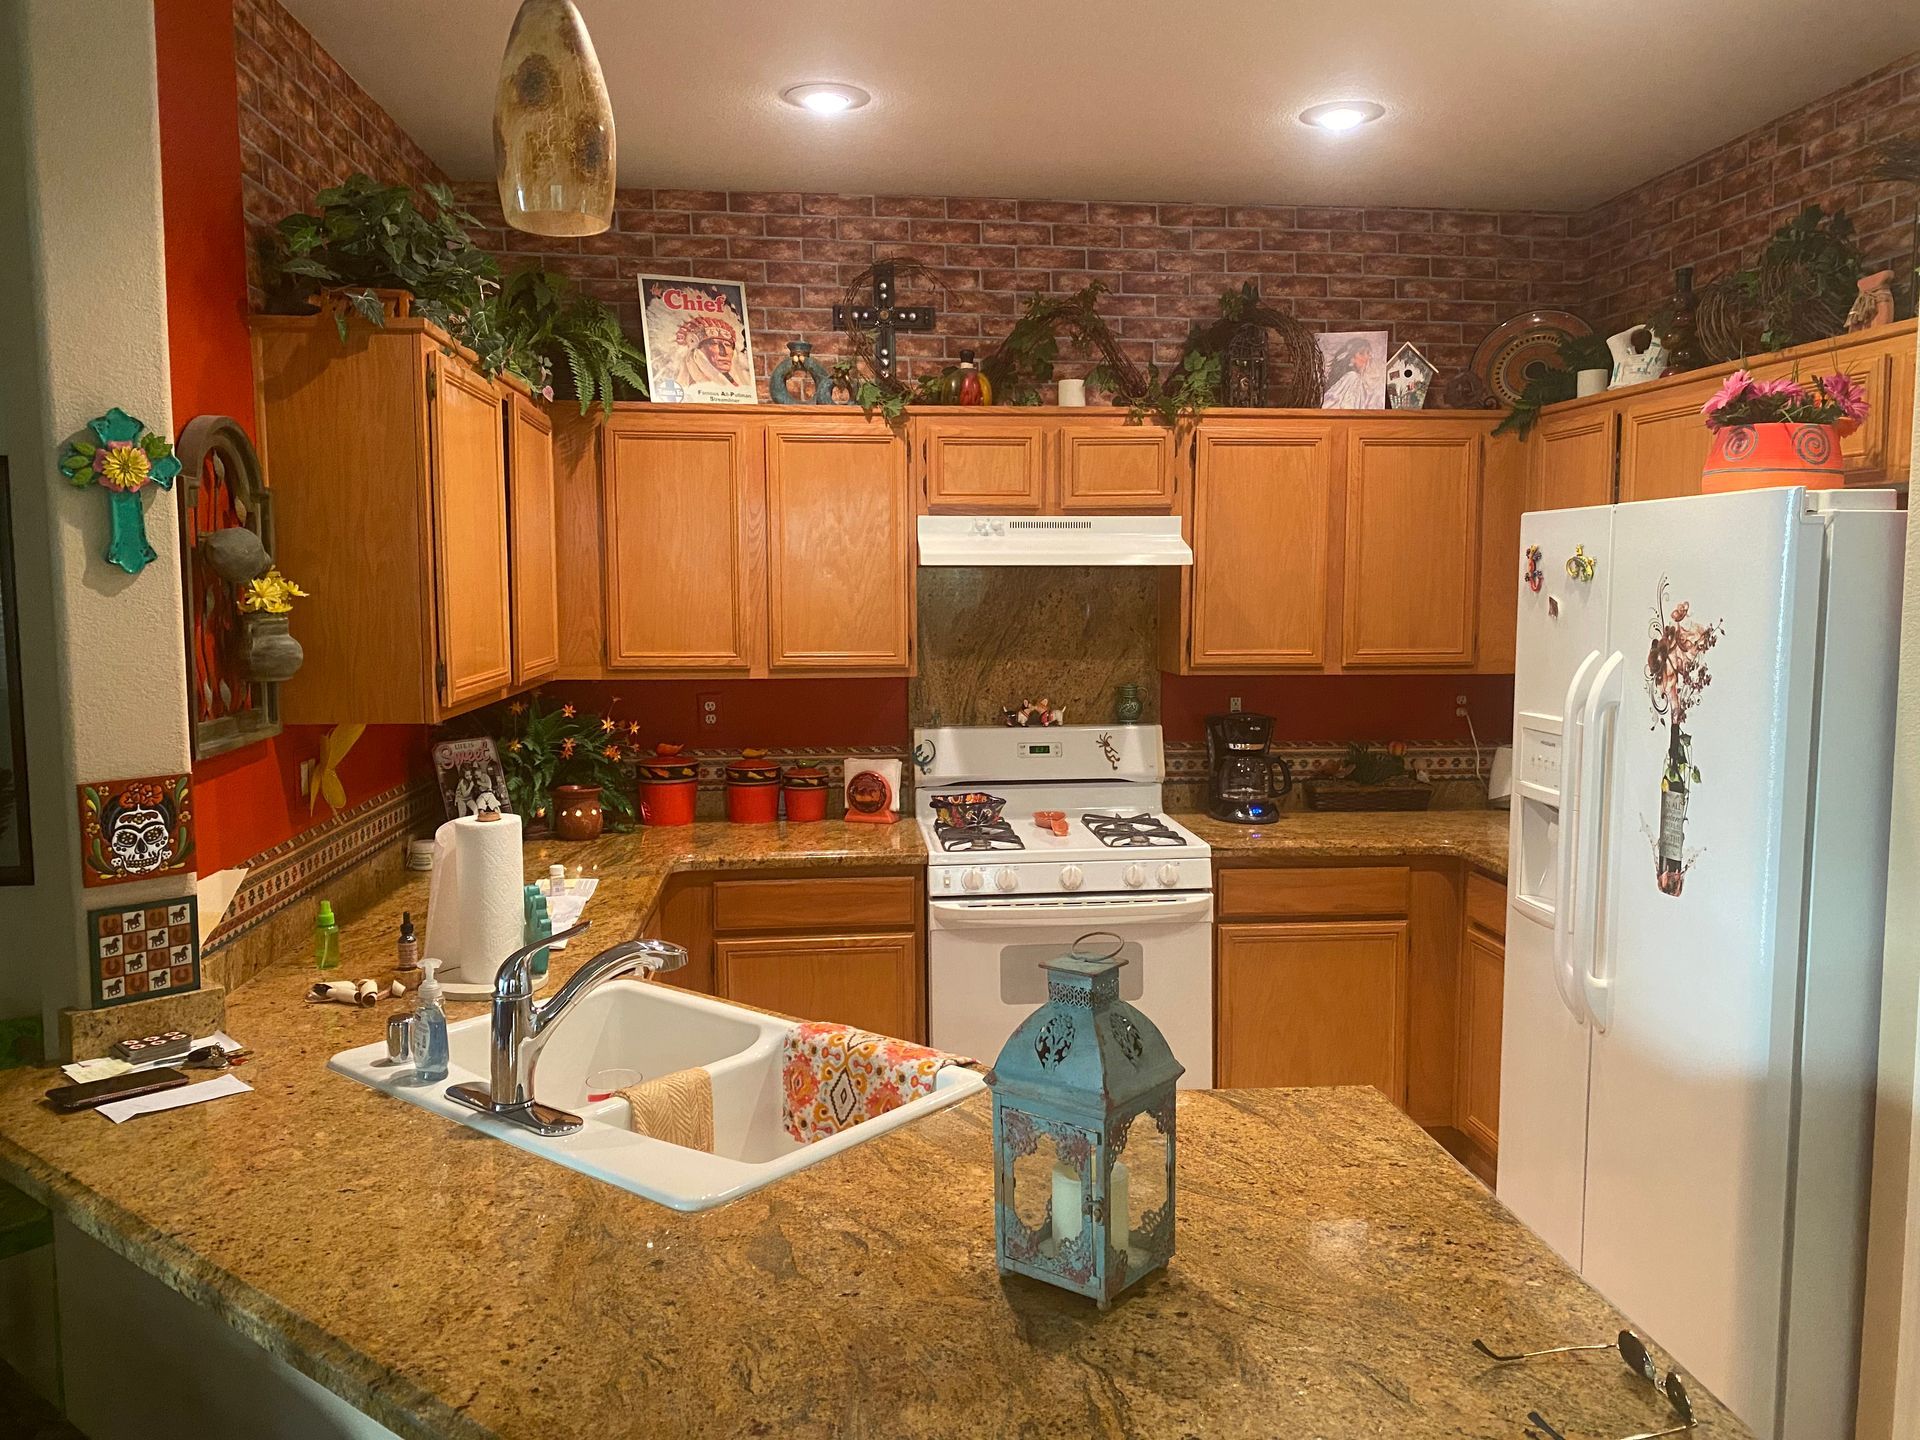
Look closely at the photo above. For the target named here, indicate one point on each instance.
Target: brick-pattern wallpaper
(1715, 212)
(305, 124)
(1440, 278)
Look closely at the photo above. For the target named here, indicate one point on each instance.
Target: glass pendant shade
(553, 125)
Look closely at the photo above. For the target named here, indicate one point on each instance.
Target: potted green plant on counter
(564, 765)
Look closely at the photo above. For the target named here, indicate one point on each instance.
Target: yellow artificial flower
(567, 748)
(612, 752)
(270, 594)
(607, 727)
(567, 711)
(124, 467)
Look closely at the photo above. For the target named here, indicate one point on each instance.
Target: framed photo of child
(699, 347)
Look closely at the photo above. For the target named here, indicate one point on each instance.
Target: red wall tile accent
(1440, 278)
(1715, 212)
(774, 714)
(1309, 709)
(305, 123)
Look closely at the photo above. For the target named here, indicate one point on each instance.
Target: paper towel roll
(475, 904)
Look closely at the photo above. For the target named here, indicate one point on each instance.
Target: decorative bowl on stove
(967, 809)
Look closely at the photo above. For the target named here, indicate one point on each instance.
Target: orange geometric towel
(834, 1076)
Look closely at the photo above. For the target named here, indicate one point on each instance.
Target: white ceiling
(1552, 104)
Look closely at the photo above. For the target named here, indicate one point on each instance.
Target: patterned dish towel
(834, 1076)
(676, 1108)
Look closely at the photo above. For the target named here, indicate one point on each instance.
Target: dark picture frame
(16, 826)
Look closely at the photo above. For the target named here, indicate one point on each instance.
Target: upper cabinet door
(1261, 516)
(1572, 459)
(984, 465)
(1109, 465)
(469, 534)
(681, 545)
(1412, 547)
(531, 516)
(1663, 442)
(840, 535)
(1864, 453)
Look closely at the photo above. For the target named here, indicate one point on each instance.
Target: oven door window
(1024, 984)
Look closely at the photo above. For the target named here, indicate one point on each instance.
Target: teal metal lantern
(1083, 1134)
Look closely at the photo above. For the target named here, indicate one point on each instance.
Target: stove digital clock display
(1039, 749)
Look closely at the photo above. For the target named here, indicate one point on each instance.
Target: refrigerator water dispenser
(1536, 787)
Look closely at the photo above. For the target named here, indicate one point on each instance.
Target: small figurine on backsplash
(1034, 712)
(1875, 305)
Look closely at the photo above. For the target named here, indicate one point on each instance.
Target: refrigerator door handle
(1596, 751)
(1566, 871)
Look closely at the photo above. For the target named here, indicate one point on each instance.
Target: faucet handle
(514, 979)
(650, 957)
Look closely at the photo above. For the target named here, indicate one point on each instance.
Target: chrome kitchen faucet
(521, 1027)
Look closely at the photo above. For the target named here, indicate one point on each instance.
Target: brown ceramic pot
(576, 812)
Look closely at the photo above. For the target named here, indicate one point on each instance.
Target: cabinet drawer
(1487, 904)
(859, 901)
(1251, 893)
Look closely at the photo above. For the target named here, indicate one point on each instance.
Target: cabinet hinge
(440, 675)
(433, 383)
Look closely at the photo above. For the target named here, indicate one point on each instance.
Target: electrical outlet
(709, 711)
(1460, 707)
(306, 775)
(1233, 704)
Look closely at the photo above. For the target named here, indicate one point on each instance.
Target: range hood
(1052, 540)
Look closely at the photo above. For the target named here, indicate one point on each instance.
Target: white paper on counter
(106, 1067)
(215, 893)
(565, 907)
(120, 1111)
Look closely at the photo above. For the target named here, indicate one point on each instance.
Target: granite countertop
(1333, 1261)
(1479, 837)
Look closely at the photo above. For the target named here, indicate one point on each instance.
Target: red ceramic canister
(806, 794)
(669, 789)
(753, 791)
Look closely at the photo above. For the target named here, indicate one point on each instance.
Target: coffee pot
(1241, 769)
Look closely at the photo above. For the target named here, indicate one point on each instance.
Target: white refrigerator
(1703, 740)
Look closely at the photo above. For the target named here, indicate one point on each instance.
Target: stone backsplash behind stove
(1457, 773)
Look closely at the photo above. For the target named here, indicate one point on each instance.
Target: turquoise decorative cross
(123, 458)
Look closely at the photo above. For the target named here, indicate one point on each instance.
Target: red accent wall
(250, 800)
(774, 714)
(1323, 708)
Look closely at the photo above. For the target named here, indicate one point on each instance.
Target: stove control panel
(1088, 877)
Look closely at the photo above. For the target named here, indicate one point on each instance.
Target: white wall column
(83, 298)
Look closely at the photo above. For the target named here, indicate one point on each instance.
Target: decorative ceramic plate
(1519, 348)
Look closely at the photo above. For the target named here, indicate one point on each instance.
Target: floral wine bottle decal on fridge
(1677, 679)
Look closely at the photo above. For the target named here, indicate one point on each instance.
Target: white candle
(1117, 1206)
(1066, 1203)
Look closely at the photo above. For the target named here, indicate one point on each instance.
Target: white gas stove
(1006, 892)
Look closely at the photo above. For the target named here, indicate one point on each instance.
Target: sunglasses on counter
(1633, 1350)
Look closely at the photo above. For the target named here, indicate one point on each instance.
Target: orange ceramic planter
(1760, 457)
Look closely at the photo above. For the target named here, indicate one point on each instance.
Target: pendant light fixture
(553, 125)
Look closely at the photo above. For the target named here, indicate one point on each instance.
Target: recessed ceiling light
(824, 98)
(1340, 115)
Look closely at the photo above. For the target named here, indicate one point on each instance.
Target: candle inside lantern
(1068, 1202)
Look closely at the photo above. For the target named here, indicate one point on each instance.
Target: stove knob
(1136, 876)
(1005, 879)
(1071, 877)
(973, 879)
(1169, 873)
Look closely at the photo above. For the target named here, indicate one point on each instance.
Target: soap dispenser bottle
(428, 1033)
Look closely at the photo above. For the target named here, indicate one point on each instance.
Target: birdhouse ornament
(123, 458)
(1083, 1133)
(1409, 374)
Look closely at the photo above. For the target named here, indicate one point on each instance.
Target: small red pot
(753, 804)
(1760, 457)
(668, 802)
(805, 789)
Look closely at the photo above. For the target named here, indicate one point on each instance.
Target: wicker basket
(1352, 795)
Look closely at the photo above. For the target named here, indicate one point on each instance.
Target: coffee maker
(1240, 780)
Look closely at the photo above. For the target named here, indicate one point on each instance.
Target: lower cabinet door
(872, 981)
(1321, 1003)
(1483, 975)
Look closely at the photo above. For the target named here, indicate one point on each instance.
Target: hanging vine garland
(1270, 358)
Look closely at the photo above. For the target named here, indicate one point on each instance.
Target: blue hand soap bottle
(428, 1034)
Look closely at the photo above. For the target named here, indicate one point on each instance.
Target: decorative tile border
(299, 867)
(1438, 759)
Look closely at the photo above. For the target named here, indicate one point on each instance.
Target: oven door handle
(1008, 914)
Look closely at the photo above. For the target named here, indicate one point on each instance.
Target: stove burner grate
(990, 835)
(1126, 832)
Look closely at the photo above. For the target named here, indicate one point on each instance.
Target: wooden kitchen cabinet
(387, 456)
(1313, 1003)
(1663, 442)
(1261, 524)
(1411, 577)
(983, 464)
(1572, 457)
(840, 549)
(1482, 998)
(680, 506)
(864, 980)
(1107, 465)
(532, 517)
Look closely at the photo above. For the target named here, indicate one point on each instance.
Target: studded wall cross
(883, 317)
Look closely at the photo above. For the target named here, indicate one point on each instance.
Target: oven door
(984, 976)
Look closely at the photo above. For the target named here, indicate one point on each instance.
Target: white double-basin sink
(656, 1030)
